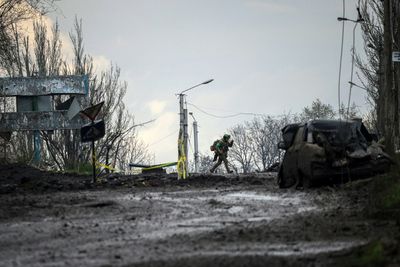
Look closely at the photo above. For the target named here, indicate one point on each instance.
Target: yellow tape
(160, 166)
(181, 167)
(105, 166)
(99, 164)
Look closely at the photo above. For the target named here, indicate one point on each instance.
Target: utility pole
(389, 94)
(396, 71)
(182, 145)
(196, 144)
(183, 130)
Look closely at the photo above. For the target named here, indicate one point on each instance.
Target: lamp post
(359, 20)
(196, 144)
(183, 126)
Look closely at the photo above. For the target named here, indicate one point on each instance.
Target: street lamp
(208, 81)
(183, 133)
(359, 20)
(196, 144)
(356, 85)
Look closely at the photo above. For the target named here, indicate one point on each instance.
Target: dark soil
(17, 178)
(56, 219)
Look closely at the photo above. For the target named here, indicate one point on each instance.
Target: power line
(352, 68)
(189, 138)
(163, 138)
(353, 49)
(341, 55)
(224, 116)
(190, 147)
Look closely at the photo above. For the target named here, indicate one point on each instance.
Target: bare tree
(370, 68)
(63, 149)
(265, 134)
(242, 151)
(370, 121)
(12, 12)
(256, 141)
(317, 110)
(260, 137)
(348, 112)
(262, 134)
(133, 151)
(381, 34)
(205, 163)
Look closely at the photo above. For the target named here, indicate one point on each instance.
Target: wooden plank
(45, 120)
(34, 86)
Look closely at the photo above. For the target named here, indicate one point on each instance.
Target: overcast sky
(266, 56)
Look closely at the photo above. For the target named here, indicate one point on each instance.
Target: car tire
(280, 179)
(303, 181)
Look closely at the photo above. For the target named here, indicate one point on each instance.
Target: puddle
(187, 226)
(190, 211)
(252, 196)
(259, 219)
(284, 250)
(305, 209)
(138, 197)
(235, 209)
(189, 192)
(314, 248)
(202, 195)
(168, 232)
(248, 195)
(170, 196)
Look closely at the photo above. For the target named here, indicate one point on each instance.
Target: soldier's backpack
(213, 147)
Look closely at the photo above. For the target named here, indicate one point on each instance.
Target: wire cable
(190, 146)
(341, 56)
(353, 53)
(163, 138)
(353, 49)
(189, 138)
(226, 116)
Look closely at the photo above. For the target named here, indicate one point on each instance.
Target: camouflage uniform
(221, 152)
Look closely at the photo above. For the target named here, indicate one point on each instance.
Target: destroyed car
(329, 151)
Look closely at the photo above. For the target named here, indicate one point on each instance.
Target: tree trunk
(389, 94)
(396, 16)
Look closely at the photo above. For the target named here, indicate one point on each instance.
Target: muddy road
(158, 221)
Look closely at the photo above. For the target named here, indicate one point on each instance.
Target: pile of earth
(24, 178)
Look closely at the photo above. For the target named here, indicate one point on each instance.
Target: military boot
(227, 168)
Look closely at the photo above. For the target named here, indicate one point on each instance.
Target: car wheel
(303, 181)
(280, 179)
(284, 181)
(307, 182)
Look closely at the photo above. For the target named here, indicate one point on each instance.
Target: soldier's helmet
(226, 137)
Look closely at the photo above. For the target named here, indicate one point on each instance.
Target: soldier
(221, 147)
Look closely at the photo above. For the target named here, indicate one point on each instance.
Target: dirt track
(63, 220)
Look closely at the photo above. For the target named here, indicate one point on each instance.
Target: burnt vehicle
(329, 151)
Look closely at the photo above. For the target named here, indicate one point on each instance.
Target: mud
(50, 219)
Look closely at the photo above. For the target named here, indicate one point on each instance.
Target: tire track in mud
(229, 223)
(243, 209)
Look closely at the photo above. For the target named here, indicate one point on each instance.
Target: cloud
(161, 137)
(67, 47)
(26, 26)
(100, 63)
(156, 106)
